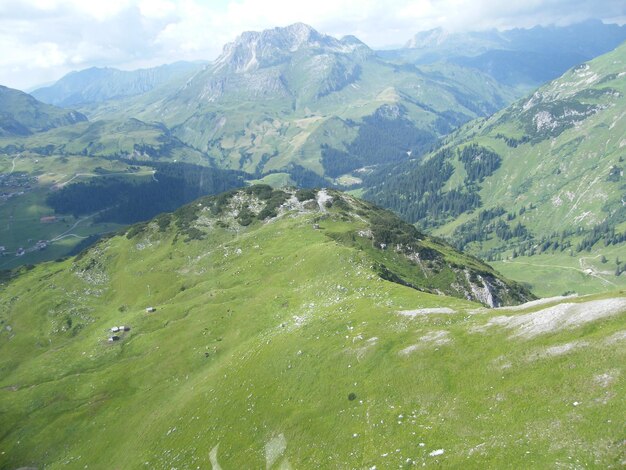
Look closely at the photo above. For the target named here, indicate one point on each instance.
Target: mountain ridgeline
(196, 316)
(22, 115)
(96, 84)
(524, 58)
(398, 251)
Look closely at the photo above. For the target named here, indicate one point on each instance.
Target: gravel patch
(274, 449)
(434, 338)
(535, 303)
(558, 350)
(426, 311)
(559, 317)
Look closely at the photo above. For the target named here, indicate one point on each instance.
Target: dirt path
(13, 163)
(67, 232)
(592, 268)
(96, 175)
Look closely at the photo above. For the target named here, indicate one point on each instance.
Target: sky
(42, 40)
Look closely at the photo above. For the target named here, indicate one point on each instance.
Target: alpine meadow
(316, 248)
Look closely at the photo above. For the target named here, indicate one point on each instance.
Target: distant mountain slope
(22, 115)
(516, 57)
(264, 329)
(546, 174)
(589, 38)
(96, 84)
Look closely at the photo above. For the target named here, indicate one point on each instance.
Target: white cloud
(156, 8)
(43, 39)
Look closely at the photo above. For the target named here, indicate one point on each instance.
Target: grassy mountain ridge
(278, 343)
(130, 138)
(23, 115)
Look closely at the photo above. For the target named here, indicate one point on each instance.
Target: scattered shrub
(305, 194)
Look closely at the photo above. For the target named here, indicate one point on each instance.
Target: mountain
(97, 84)
(279, 97)
(23, 115)
(288, 101)
(518, 57)
(545, 175)
(253, 50)
(272, 329)
(440, 43)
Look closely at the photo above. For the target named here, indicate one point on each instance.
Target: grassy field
(554, 274)
(274, 346)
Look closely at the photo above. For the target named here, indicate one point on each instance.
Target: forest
(122, 201)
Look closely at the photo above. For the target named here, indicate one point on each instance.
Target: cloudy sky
(41, 40)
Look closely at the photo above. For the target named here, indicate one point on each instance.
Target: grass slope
(275, 345)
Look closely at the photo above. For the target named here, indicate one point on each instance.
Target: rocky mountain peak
(429, 38)
(253, 50)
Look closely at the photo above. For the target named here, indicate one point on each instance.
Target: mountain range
(95, 84)
(524, 58)
(273, 100)
(294, 106)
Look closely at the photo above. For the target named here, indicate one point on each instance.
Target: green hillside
(543, 178)
(130, 138)
(276, 341)
(22, 115)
